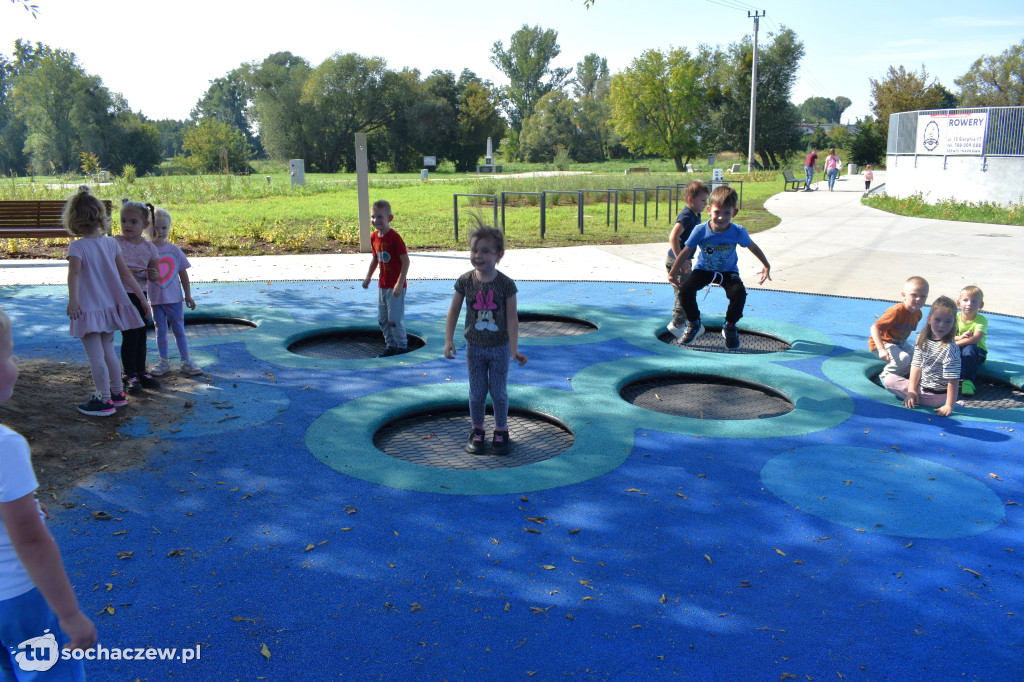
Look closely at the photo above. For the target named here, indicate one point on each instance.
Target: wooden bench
(788, 179)
(34, 219)
(636, 170)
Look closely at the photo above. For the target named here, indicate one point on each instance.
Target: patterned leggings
(488, 372)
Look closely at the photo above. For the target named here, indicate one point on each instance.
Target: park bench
(788, 179)
(637, 170)
(34, 219)
(736, 168)
(691, 169)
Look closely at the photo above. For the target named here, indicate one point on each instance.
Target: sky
(162, 55)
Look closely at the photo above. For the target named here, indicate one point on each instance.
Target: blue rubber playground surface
(850, 538)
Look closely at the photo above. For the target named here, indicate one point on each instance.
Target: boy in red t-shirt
(890, 332)
(390, 253)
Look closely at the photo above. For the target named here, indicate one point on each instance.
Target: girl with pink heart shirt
(169, 293)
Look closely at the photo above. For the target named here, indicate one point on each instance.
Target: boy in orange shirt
(890, 333)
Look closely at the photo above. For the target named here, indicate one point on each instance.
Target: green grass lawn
(230, 215)
(244, 215)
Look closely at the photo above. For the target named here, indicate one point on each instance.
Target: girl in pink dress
(97, 303)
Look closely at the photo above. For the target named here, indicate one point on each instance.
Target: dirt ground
(68, 446)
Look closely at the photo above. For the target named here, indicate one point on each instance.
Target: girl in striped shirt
(935, 369)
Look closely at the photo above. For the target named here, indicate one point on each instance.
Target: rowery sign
(951, 133)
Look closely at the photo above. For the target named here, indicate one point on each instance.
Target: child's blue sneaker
(731, 336)
(692, 331)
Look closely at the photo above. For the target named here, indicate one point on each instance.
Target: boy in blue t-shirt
(695, 195)
(717, 263)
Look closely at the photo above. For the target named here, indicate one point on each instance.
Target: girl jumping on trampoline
(492, 335)
(97, 303)
(167, 299)
(935, 370)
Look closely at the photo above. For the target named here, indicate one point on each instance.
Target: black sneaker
(693, 330)
(501, 443)
(132, 385)
(731, 336)
(388, 352)
(119, 399)
(147, 381)
(475, 444)
(97, 407)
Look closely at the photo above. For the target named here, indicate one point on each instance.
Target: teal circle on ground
(883, 492)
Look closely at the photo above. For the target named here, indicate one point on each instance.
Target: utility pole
(753, 93)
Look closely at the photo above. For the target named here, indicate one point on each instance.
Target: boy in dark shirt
(695, 195)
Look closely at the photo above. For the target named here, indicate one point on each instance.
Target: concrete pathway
(827, 243)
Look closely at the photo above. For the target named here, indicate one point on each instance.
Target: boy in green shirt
(971, 329)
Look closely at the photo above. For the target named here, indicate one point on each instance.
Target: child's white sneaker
(675, 331)
(161, 368)
(191, 368)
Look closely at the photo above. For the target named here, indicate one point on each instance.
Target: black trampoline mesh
(438, 439)
(705, 397)
(751, 343)
(546, 326)
(346, 345)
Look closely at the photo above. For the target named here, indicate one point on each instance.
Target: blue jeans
(809, 173)
(971, 358)
(832, 175)
(391, 317)
(26, 617)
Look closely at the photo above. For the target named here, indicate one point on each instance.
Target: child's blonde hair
(159, 213)
(941, 303)
(84, 214)
(144, 210)
(972, 290)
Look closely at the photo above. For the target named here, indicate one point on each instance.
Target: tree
(215, 146)
(350, 94)
(12, 127)
(227, 100)
(776, 132)
(172, 136)
(900, 91)
(288, 129)
(45, 98)
(842, 103)
(868, 145)
(527, 64)
(658, 105)
(592, 87)
(136, 143)
(824, 109)
(477, 119)
(840, 136)
(994, 81)
(549, 128)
